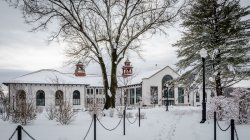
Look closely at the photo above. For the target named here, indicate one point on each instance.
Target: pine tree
(222, 28)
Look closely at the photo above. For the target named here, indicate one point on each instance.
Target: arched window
(167, 90)
(21, 96)
(58, 97)
(40, 98)
(197, 97)
(76, 98)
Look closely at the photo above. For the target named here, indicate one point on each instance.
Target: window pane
(76, 97)
(154, 95)
(132, 96)
(138, 94)
(180, 95)
(40, 98)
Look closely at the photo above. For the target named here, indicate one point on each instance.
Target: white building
(49, 87)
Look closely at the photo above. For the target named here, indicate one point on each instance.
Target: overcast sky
(22, 51)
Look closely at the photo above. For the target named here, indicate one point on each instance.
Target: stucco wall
(156, 80)
(50, 90)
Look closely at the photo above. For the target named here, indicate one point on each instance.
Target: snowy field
(180, 123)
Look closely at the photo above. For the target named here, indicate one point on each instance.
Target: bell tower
(80, 71)
(127, 69)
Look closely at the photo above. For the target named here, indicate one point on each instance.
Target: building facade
(50, 87)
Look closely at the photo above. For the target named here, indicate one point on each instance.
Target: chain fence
(13, 134)
(131, 121)
(27, 134)
(88, 129)
(236, 133)
(109, 128)
(221, 128)
(20, 129)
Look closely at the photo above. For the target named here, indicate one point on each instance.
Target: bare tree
(101, 30)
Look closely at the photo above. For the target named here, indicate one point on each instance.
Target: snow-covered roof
(50, 76)
(137, 78)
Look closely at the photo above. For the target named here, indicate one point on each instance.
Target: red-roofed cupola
(80, 71)
(127, 69)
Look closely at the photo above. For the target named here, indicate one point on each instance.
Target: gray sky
(22, 51)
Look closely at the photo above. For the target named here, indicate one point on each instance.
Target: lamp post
(167, 101)
(166, 96)
(13, 102)
(203, 54)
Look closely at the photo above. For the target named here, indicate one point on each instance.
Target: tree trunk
(110, 101)
(105, 80)
(218, 85)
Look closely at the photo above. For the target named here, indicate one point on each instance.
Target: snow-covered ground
(179, 123)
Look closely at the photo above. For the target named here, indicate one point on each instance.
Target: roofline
(130, 85)
(89, 86)
(44, 84)
(39, 71)
(160, 71)
(6, 84)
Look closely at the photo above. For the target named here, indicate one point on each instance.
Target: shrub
(65, 114)
(4, 109)
(51, 112)
(23, 113)
(234, 107)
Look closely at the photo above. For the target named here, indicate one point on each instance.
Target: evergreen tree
(222, 28)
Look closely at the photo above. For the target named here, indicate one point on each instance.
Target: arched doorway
(76, 98)
(58, 97)
(40, 98)
(167, 90)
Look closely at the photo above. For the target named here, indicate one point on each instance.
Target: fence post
(124, 117)
(139, 117)
(94, 126)
(232, 129)
(19, 132)
(215, 125)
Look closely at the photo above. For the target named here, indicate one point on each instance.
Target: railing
(95, 119)
(232, 125)
(19, 131)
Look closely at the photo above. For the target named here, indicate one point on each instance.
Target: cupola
(127, 69)
(80, 71)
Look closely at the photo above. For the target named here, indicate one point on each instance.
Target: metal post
(124, 117)
(232, 129)
(19, 132)
(139, 117)
(167, 100)
(94, 126)
(215, 125)
(204, 92)
(13, 102)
